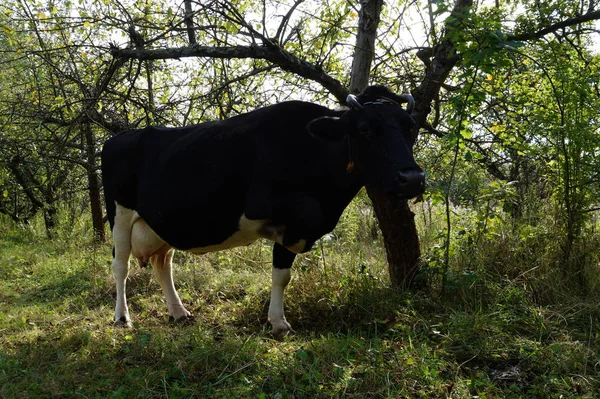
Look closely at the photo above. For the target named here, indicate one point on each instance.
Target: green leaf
(232, 28)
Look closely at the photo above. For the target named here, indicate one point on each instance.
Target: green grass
(486, 337)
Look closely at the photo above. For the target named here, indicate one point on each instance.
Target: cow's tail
(111, 210)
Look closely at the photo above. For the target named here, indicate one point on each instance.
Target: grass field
(485, 336)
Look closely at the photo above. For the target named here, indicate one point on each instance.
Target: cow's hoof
(183, 320)
(123, 322)
(281, 330)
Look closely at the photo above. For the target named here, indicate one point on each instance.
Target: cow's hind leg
(162, 264)
(120, 265)
(281, 275)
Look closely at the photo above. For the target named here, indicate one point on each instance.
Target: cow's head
(380, 140)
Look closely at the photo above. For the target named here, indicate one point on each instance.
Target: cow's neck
(345, 173)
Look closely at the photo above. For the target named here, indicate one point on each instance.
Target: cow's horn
(353, 102)
(407, 98)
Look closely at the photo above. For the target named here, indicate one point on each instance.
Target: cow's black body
(192, 184)
(285, 172)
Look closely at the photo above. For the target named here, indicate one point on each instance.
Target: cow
(284, 173)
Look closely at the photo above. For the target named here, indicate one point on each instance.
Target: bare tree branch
(444, 60)
(189, 23)
(278, 56)
(579, 19)
(284, 22)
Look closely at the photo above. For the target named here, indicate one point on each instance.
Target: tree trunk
(94, 184)
(189, 23)
(396, 220)
(365, 44)
(50, 221)
(397, 223)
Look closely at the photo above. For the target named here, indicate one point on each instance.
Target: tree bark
(50, 221)
(400, 237)
(189, 23)
(439, 62)
(396, 220)
(269, 52)
(364, 51)
(93, 184)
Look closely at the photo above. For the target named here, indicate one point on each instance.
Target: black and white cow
(285, 172)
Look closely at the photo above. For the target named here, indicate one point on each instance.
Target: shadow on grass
(354, 337)
(190, 361)
(110, 362)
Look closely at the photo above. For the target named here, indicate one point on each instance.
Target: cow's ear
(326, 128)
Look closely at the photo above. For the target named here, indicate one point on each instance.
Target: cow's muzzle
(410, 183)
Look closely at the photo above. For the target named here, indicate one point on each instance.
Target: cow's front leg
(302, 216)
(162, 264)
(281, 274)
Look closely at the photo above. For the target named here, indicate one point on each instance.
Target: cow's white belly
(145, 242)
(248, 232)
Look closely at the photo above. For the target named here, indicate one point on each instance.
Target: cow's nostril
(411, 177)
(411, 182)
